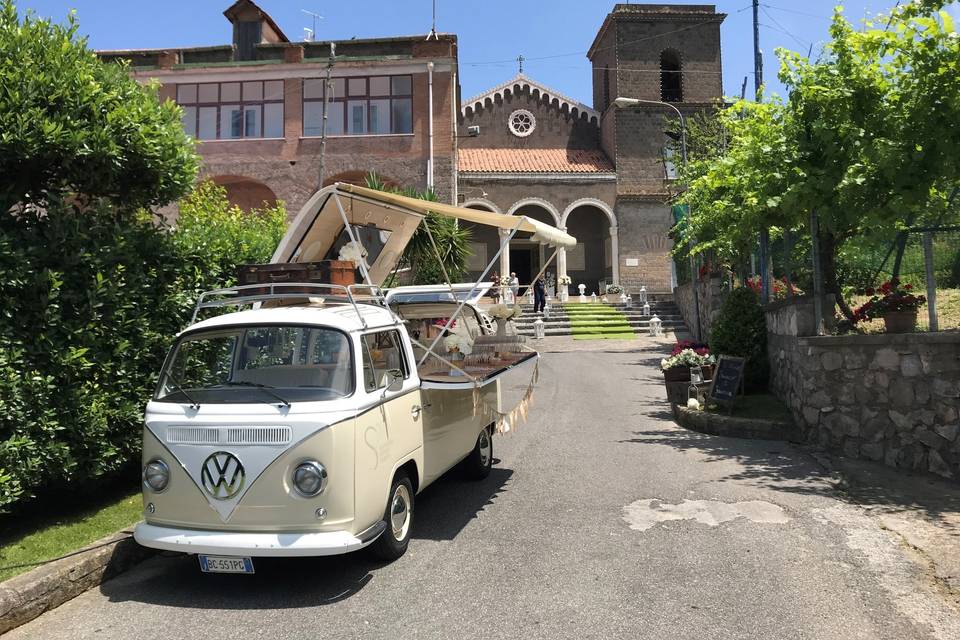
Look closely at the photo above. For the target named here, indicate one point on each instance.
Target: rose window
(521, 123)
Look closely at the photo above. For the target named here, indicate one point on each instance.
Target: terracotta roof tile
(534, 161)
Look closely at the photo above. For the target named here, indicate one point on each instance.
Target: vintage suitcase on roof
(341, 272)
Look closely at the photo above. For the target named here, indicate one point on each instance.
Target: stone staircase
(558, 324)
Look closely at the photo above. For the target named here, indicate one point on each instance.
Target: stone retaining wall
(888, 397)
(711, 294)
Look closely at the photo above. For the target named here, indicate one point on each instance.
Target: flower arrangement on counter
(891, 297)
(614, 289)
(353, 252)
(458, 343)
(504, 312)
(685, 359)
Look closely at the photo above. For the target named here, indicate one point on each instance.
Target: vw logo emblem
(222, 475)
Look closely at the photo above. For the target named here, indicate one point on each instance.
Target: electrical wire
(783, 28)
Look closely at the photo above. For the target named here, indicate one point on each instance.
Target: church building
(601, 173)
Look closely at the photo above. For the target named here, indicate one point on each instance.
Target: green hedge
(741, 330)
(90, 302)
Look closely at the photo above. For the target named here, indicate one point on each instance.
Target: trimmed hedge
(741, 330)
(91, 300)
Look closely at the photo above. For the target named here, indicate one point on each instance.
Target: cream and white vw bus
(305, 426)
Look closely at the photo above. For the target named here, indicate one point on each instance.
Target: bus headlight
(156, 475)
(310, 478)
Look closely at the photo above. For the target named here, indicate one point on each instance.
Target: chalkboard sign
(726, 379)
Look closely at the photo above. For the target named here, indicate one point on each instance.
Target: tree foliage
(452, 241)
(70, 123)
(869, 138)
(86, 326)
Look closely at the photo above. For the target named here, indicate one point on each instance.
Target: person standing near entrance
(539, 295)
(514, 285)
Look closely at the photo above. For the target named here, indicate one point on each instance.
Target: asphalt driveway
(602, 519)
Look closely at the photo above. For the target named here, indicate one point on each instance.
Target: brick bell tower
(662, 52)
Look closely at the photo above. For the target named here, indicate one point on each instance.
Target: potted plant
(676, 370)
(895, 303)
(685, 355)
(613, 293)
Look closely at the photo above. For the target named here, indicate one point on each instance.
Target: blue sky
(552, 34)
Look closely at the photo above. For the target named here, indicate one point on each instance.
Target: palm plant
(452, 241)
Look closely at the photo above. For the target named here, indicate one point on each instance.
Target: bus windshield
(258, 364)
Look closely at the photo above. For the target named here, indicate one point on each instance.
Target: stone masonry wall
(711, 294)
(893, 398)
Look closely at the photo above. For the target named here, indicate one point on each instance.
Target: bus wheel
(480, 460)
(398, 517)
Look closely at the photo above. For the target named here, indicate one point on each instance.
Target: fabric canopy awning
(542, 232)
(383, 223)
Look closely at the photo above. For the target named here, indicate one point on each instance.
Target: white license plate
(225, 564)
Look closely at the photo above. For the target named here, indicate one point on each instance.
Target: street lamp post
(622, 103)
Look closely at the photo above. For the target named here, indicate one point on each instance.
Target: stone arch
(671, 76)
(596, 261)
(245, 192)
(481, 203)
(591, 202)
(538, 202)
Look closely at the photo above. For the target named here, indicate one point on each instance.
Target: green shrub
(92, 300)
(741, 330)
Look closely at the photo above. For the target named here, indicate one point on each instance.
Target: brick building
(255, 107)
(602, 173)
(599, 172)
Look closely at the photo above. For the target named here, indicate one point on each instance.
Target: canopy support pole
(545, 265)
(346, 224)
(450, 320)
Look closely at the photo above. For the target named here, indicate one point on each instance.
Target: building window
(671, 77)
(232, 110)
(359, 106)
(521, 123)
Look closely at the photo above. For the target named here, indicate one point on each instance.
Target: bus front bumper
(254, 544)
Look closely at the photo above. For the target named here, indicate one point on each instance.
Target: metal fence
(926, 259)
(929, 262)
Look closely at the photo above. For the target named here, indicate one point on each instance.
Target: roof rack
(237, 296)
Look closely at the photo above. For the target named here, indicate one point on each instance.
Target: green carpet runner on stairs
(598, 322)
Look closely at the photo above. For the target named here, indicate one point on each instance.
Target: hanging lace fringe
(510, 419)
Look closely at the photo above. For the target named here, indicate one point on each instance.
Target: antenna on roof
(433, 26)
(310, 34)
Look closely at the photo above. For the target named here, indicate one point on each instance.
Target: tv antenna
(433, 26)
(311, 34)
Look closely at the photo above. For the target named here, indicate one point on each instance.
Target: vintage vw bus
(306, 425)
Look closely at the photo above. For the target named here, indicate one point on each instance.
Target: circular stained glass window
(521, 123)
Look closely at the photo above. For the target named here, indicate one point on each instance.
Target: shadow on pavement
(448, 505)
(175, 580)
(776, 465)
(891, 490)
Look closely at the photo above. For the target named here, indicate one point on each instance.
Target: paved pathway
(601, 520)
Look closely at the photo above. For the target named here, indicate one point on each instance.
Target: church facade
(602, 172)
